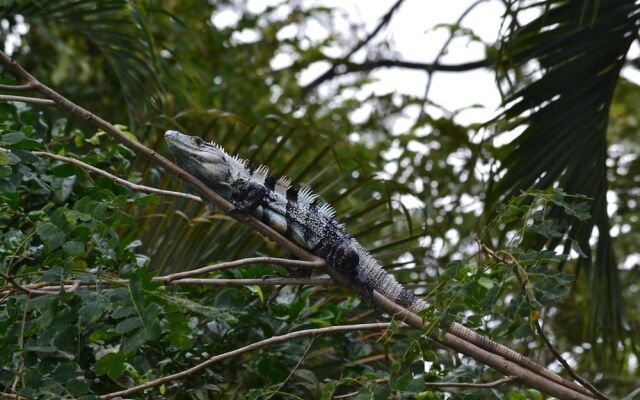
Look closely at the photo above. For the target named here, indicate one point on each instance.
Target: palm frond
(569, 60)
(117, 28)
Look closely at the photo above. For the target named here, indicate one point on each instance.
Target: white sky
(414, 38)
(411, 31)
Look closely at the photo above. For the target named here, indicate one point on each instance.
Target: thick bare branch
(253, 346)
(30, 100)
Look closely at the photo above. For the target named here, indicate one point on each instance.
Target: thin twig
(520, 274)
(116, 179)
(30, 100)
(178, 277)
(298, 364)
(472, 385)
(253, 346)
(237, 263)
(443, 49)
(17, 88)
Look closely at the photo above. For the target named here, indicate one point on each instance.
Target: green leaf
(111, 364)
(180, 341)
(5, 170)
(147, 199)
(51, 235)
(134, 342)
(12, 138)
(65, 371)
(73, 247)
(4, 157)
(128, 325)
(90, 313)
(576, 247)
(485, 282)
(123, 312)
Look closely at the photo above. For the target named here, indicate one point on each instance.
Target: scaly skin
(297, 213)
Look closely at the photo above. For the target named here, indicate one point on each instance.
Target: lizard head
(207, 162)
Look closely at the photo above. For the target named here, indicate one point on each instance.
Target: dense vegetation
(85, 310)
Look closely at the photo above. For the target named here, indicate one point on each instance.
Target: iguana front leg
(248, 196)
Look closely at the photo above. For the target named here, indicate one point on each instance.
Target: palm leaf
(579, 48)
(117, 28)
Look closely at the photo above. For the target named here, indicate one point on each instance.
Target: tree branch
(508, 259)
(253, 346)
(472, 385)
(330, 73)
(527, 375)
(116, 179)
(17, 88)
(345, 67)
(255, 281)
(71, 286)
(444, 48)
(31, 100)
(237, 263)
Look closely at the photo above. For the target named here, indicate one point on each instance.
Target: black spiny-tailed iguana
(301, 216)
(295, 212)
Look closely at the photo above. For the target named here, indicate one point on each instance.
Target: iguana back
(297, 213)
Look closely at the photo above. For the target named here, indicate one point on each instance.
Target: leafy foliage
(568, 61)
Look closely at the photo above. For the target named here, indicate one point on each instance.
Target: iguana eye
(198, 141)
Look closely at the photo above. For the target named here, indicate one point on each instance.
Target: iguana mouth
(182, 142)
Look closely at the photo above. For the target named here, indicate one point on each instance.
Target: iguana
(298, 213)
